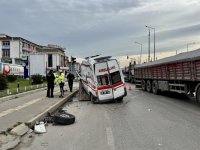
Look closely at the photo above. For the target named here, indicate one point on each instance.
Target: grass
(22, 83)
(24, 86)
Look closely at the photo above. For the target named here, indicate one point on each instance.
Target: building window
(50, 60)
(6, 52)
(5, 43)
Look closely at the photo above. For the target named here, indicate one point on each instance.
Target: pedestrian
(70, 78)
(61, 82)
(50, 83)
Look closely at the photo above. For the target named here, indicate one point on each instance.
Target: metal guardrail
(8, 92)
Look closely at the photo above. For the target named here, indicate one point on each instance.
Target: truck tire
(198, 95)
(149, 87)
(143, 85)
(155, 89)
(64, 118)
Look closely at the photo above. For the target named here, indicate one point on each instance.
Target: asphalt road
(143, 121)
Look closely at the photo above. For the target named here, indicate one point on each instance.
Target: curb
(51, 109)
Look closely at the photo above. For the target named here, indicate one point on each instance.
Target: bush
(37, 79)
(11, 78)
(3, 82)
(44, 79)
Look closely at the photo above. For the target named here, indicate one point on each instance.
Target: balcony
(26, 49)
(5, 46)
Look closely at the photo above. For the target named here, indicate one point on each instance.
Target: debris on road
(149, 109)
(64, 118)
(40, 128)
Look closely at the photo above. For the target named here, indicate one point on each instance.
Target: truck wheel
(198, 95)
(149, 87)
(155, 87)
(143, 85)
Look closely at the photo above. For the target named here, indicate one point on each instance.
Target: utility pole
(154, 41)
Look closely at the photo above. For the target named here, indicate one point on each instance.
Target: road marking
(110, 139)
(106, 115)
(11, 110)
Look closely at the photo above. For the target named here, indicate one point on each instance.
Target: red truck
(179, 73)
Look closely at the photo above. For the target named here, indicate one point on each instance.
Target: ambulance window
(103, 80)
(115, 77)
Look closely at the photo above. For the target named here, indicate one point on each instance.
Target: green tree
(3, 82)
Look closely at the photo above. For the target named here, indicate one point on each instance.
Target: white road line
(106, 115)
(11, 110)
(110, 139)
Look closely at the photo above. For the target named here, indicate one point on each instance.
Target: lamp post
(192, 43)
(140, 51)
(154, 41)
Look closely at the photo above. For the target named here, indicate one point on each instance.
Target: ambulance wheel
(92, 98)
(120, 100)
(64, 118)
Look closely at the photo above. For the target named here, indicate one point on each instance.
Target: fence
(8, 92)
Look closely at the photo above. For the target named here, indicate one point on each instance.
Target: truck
(102, 79)
(37, 64)
(11, 69)
(129, 74)
(179, 73)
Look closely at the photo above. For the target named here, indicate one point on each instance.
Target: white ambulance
(102, 79)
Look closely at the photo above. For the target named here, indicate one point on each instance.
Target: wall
(14, 49)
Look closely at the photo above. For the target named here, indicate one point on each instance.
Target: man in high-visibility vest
(61, 82)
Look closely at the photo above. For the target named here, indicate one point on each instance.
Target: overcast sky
(109, 27)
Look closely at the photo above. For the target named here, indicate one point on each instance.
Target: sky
(90, 27)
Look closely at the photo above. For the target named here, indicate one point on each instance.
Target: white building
(15, 49)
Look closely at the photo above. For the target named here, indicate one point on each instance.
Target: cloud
(98, 26)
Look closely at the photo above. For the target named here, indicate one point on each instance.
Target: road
(143, 121)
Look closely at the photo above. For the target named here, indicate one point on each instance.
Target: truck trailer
(179, 73)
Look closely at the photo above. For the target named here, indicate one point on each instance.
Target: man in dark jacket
(70, 78)
(50, 83)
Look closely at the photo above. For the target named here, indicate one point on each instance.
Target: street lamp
(190, 44)
(154, 40)
(140, 51)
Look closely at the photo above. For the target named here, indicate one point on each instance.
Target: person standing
(50, 83)
(61, 82)
(70, 78)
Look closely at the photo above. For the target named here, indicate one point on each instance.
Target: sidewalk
(31, 107)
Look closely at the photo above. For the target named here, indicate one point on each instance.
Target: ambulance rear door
(116, 79)
(104, 86)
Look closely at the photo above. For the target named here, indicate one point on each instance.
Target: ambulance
(102, 79)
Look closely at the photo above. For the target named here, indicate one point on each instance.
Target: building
(55, 55)
(15, 49)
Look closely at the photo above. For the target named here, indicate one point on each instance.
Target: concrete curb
(51, 109)
(20, 130)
